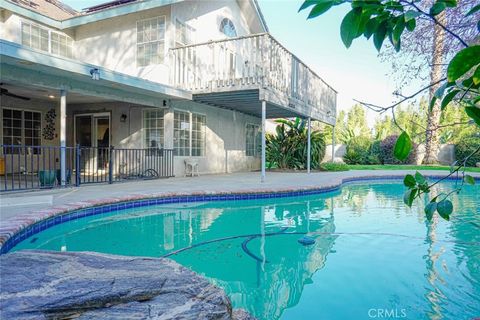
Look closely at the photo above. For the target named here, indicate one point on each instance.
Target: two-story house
(160, 81)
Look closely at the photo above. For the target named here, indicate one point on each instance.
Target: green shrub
(287, 148)
(361, 150)
(386, 152)
(375, 153)
(334, 166)
(466, 147)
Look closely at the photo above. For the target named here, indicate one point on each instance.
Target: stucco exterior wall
(112, 44)
(225, 133)
(225, 140)
(11, 27)
(205, 17)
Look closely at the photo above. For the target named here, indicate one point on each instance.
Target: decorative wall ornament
(49, 129)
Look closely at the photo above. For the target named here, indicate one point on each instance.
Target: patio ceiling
(46, 94)
(246, 101)
(25, 67)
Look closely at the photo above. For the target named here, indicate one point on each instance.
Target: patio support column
(309, 146)
(63, 136)
(333, 143)
(264, 116)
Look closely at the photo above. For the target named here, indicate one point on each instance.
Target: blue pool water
(372, 258)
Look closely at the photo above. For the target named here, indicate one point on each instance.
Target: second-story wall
(205, 18)
(11, 30)
(112, 43)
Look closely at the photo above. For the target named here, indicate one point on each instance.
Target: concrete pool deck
(20, 210)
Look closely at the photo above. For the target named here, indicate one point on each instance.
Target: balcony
(239, 73)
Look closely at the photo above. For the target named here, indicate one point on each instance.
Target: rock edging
(87, 285)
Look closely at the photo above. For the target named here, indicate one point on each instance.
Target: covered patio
(60, 119)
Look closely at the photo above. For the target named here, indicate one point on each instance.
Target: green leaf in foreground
(379, 35)
(437, 8)
(409, 181)
(307, 4)
(462, 62)
(351, 26)
(403, 146)
(476, 76)
(430, 210)
(444, 209)
(409, 196)
(473, 10)
(448, 98)
(410, 14)
(320, 8)
(432, 103)
(474, 113)
(469, 179)
(420, 178)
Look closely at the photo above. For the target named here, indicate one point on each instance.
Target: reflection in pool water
(372, 255)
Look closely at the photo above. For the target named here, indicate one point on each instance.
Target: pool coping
(22, 226)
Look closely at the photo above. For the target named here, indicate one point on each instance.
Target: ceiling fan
(5, 92)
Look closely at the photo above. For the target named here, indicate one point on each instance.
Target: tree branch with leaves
(380, 20)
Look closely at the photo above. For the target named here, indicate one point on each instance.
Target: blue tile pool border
(42, 225)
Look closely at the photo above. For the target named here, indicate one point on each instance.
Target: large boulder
(86, 285)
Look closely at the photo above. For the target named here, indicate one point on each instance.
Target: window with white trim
(35, 37)
(184, 34)
(228, 28)
(21, 127)
(198, 135)
(151, 41)
(153, 128)
(61, 45)
(189, 134)
(43, 39)
(252, 140)
(181, 133)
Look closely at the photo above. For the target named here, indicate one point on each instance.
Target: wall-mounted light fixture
(123, 117)
(95, 73)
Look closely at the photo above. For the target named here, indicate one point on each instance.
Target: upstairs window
(40, 38)
(184, 34)
(228, 28)
(151, 41)
(61, 45)
(35, 37)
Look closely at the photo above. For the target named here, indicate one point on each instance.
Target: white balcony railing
(254, 61)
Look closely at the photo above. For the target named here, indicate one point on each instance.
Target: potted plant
(68, 175)
(46, 178)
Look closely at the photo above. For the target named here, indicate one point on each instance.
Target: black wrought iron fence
(34, 167)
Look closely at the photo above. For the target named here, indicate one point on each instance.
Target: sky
(356, 73)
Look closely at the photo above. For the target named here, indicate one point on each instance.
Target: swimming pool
(372, 257)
